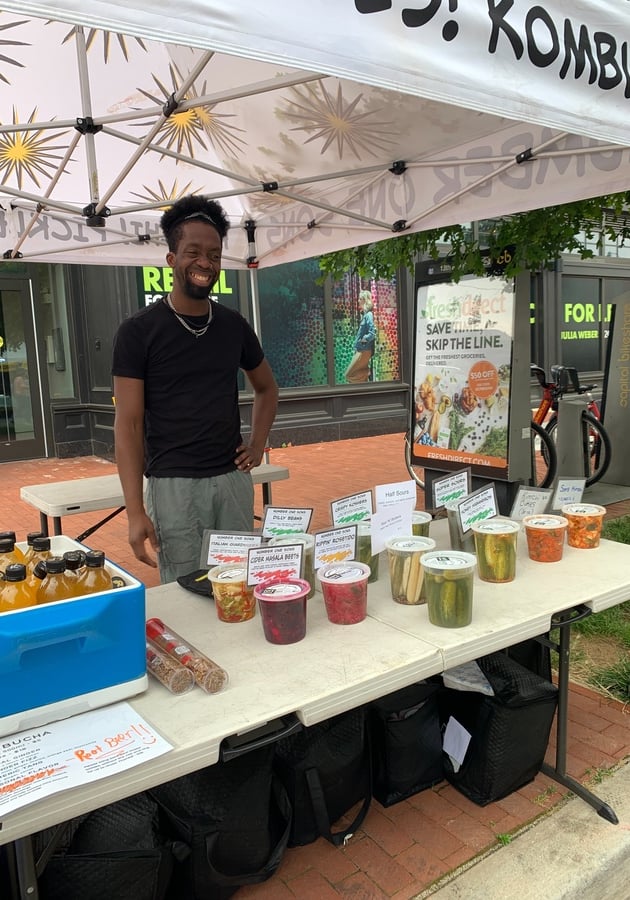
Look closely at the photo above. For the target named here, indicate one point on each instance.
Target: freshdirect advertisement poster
(462, 373)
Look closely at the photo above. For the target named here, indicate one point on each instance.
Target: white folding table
(333, 669)
(56, 499)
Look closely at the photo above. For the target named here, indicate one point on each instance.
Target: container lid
(279, 589)
(583, 509)
(344, 573)
(411, 544)
(496, 525)
(451, 560)
(300, 537)
(545, 521)
(228, 573)
(420, 515)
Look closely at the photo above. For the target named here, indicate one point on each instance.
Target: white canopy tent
(319, 126)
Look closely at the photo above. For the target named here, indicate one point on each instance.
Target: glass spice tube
(168, 671)
(208, 675)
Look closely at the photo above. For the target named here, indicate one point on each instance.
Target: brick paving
(400, 850)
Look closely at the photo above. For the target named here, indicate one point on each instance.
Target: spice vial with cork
(208, 675)
(168, 671)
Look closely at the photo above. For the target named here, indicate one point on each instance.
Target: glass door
(21, 422)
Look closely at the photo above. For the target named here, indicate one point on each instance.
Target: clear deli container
(233, 597)
(545, 536)
(344, 586)
(495, 547)
(404, 555)
(282, 604)
(585, 524)
(448, 577)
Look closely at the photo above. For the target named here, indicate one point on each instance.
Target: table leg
(26, 871)
(57, 525)
(559, 772)
(43, 524)
(266, 493)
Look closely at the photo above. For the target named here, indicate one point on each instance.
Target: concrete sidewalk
(570, 854)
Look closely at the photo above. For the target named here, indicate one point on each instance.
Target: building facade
(57, 325)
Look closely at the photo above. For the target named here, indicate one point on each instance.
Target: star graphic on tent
(8, 60)
(185, 128)
(28, 153)
(337, 121)
(107, 41)
(168, 195)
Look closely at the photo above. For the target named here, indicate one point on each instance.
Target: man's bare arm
(264, 411)
(129, 438)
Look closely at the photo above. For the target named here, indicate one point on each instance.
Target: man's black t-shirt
(192, 420)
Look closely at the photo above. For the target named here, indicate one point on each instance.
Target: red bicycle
(596, 446)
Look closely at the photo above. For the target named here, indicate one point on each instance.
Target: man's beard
(196, 291)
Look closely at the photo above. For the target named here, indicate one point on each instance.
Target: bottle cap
(95, 558)
(15, 572)
(41, 544)
(54, 565)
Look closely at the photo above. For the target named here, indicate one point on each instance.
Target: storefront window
(52, 319)
(582, 323)
(292, 323)
(365, 331)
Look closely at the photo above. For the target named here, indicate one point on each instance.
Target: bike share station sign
(470, 406)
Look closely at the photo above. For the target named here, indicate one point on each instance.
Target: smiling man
(175, 370)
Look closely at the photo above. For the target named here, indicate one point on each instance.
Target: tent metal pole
(253, 283)
(181, 92)
(40, 207)
(86, 108)
(481, 181)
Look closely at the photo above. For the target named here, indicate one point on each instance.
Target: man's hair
(191, 208)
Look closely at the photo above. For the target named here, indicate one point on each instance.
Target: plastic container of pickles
(364, 549)
(495, 547)
(405, 555)
(308, 559)
(448, 579)
(421, 522)
(233, 597)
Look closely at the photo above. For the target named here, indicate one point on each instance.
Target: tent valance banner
(318, 126)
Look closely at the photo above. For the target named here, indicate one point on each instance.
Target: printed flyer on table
(66, 754)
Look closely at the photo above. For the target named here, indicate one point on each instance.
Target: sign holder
(471, 347)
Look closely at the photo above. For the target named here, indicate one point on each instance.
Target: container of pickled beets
(282, 604)
(344, 586)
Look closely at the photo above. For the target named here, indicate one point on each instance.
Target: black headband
(201, 215)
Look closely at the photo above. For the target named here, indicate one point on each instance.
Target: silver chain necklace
(197, 332)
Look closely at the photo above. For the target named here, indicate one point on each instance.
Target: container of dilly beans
(448, 582)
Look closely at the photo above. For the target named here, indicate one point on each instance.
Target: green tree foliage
(538, 236)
